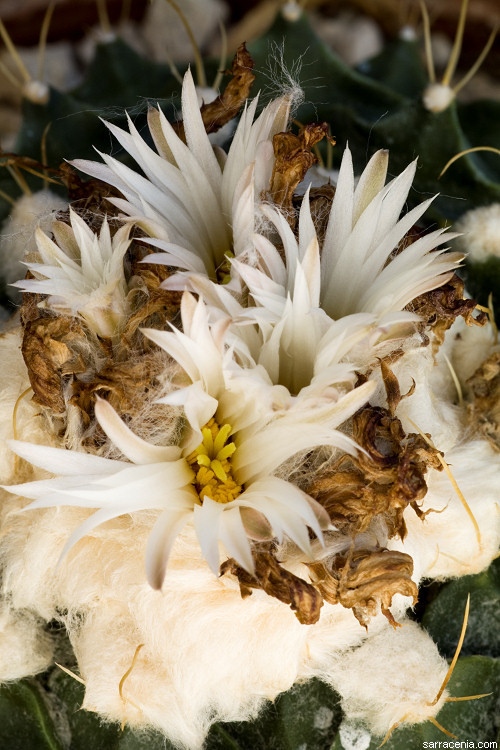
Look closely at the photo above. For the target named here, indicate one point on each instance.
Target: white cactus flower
(221, 475)
(359, 268)
(196, 203)
(83, 273)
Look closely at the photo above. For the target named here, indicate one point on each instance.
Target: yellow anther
(221, 438)
(204, 475)
(208, 440)
(219, 472)
(203, 460)
(214, 477)
(206, 492)
(226, 452)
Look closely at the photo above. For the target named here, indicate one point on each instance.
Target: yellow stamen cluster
(214, 477)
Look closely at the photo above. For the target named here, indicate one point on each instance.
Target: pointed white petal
(160, 543)
(256, 525)
(371, 182)
(151, 482)
(340, 222)
(134, 448)
(207, 518)
(96, 519)
(50, 492)
(233, 536)
(61, 461)
(196, 135)
(175, 255)
(198, 405)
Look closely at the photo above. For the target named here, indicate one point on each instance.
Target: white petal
(287, 508)
(340, 221)
(207, 518)
(199, 407)
(54, 492)
(233, 536)
(260, 454)
(371, 182)
(151, 482)
(256, 525)
(103, 515)
(174, 255)
(160, 543)
(320, 513)
(196, 135)
(61, 461)
(134, 448)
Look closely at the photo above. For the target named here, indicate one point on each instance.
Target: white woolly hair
(15, 383)
(391, 676)
(282, 81)
(446, 543)
(431, 405)
(17, 237)
(25, 648)
(480, 237)
(470, 347)
(437, 97)
(207, 654)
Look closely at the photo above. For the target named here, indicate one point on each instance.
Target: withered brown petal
(154, 306)
(440, 307)
(49, 357)
(303, 598)
(293, 156)
(226, 106)
(383, 481)
(125, 385)
(391, 385)
(365, 580)
(484, 411)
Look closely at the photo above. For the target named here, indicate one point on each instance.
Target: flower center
(223, 272)
(214, 478)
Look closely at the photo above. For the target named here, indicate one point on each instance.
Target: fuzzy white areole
(439, 95)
